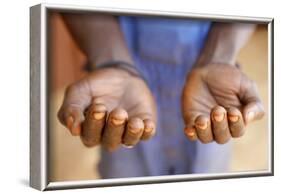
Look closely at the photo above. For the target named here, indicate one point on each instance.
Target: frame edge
(35, 176)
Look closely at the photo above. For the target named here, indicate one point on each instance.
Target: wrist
(224, 43)
(224, 57)
(202, 65)
(130, 68)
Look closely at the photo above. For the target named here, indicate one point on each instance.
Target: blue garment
(164, 51)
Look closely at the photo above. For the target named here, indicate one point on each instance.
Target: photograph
(129, 98)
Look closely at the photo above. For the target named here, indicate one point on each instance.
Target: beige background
(70, 160)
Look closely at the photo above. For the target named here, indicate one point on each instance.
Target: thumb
(71, 113)
(253, 108)
(72, 118)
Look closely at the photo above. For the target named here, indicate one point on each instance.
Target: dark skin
(218, 99)
(116, 101)
(215, 112)
(112, 107)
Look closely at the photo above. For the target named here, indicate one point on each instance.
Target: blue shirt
(164, 51)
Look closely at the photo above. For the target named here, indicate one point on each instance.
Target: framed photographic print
(123, 96)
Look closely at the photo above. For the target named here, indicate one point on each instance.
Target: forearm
(224, 43)
(99, 36)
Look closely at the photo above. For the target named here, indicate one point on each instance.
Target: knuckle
(218, 108)
(204, 141)
(191, 138)
(150, 135)
(111, 148)
(240, 134)
(222, 140)
(87, 143)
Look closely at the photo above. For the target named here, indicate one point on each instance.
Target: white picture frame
(39, 100)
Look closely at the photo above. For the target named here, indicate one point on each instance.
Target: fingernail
(233, 118)
(134, 130)
(117, 121)
(218, 117)
(98, 115)
(69, 122)
(250, 116)
(135, 125)
(148, 129)
(191, 133)
(76, 131)
(202, 125)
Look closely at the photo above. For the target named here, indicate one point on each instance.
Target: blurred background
(69, 159)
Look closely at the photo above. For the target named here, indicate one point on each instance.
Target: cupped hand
(218, 101)
(109, 107)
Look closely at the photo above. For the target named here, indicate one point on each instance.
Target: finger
(93, 125)
(71, 112)
(149, 129)
(220, 125)
(253, 109)
(190, 133)
(235, 122)
(203, 129)
(114, 128)
(133, 132)
(72, 119)
(190, 129)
